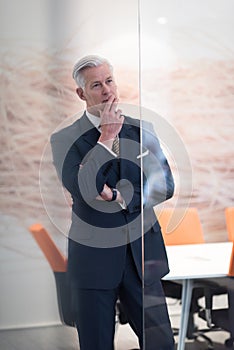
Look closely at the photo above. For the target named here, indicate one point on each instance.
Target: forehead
(99, 73)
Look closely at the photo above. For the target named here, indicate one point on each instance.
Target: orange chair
(56, 259)
(180, 226)
(58, 263)
(229, 214)
(231, 265)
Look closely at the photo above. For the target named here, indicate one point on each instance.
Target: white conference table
(191, 262)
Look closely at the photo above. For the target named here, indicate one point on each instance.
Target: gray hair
(86, 62)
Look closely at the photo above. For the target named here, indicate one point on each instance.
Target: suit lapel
(89, 133)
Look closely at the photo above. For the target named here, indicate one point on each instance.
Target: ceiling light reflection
(162, 20)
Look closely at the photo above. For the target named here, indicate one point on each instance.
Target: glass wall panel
(187, 57)
(173, 64)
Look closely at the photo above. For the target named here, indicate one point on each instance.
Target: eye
(96, 85)
(109, 81)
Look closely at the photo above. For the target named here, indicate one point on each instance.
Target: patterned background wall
(187, 70)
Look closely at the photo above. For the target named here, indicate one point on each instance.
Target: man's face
(99, 87)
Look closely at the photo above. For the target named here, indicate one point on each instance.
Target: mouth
(107, 99)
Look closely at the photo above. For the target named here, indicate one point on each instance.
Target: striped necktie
(115, 146)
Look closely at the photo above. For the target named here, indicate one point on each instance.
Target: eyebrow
(95, 82)
(98, 81)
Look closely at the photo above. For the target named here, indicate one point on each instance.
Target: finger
(112, 104)
(108, 104)
(119, 115)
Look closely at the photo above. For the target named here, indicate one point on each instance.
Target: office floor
(65, 338)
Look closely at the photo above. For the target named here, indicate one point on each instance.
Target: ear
(80, 93)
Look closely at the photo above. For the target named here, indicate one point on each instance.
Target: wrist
(108, 143)
(106, 138)
(114, 195)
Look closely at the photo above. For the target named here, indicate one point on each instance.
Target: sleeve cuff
(108, 149)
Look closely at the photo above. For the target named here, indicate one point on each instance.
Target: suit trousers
(95, 313)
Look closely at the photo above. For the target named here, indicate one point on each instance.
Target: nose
(105, 89)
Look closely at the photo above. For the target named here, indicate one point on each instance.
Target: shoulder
(132, 121)
(69, 132)
(145, 125)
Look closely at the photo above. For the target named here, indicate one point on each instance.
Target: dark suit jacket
(101, 230)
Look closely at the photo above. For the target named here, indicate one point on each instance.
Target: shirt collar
(93, 119)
